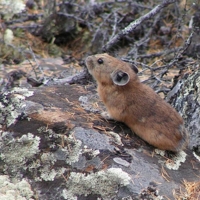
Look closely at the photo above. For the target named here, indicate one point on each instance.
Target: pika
(136, 104)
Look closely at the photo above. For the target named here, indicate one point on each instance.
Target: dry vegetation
(159, 37)
(190, 191)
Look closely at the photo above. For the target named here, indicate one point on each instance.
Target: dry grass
(190, 191)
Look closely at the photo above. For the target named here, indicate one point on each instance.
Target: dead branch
(158, 54)
(132, 26)
(178, 55)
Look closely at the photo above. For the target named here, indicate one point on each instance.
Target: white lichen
(12, 105)
(95, 153)
(176, 161)
(47, 161)
(116, 138)
(48, 157)
(160, 152)
(16, 152)
(105, 183)
(48, 174)
(69, 153)
(73, 150)
(23, 91)
(10, 7)
(90, 151)
(8, 36)
(17, 190)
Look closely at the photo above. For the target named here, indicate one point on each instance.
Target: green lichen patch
(46, 168)
(69, 147)
(16, 152)
(55, 149)
(105, 183)
(12, 104)
(176, 161)
(69, 153)
(12, 190)
(48, 174)
(75, 151)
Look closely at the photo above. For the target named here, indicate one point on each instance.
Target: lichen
(17, 190)
(8, 36)
(21, 91)
(116, 138)
(11, 7)
(105, 183)
(160, 152)
(12, 105)
(16, 152)
(48, 173)
(88, 102)
(74, 151)
(69, 151)
(175, 162)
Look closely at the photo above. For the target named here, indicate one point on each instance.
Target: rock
(185, 97)
(55, 138)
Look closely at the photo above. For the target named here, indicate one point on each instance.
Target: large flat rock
(61, 145)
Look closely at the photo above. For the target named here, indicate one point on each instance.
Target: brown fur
(137, 105)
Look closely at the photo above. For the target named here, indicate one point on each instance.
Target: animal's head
(109, 70)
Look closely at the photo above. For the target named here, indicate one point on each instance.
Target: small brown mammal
(136, 104)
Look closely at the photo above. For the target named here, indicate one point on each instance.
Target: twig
(179, 54)
(38, 66)
(132, 26)
(143, 40)
(158, 54)
(115, 25)
(71, 16)
(28, 17)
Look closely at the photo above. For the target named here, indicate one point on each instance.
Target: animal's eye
(100, 61)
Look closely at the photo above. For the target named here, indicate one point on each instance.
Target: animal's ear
(120, 78)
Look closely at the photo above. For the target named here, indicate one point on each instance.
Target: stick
(132, 26)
